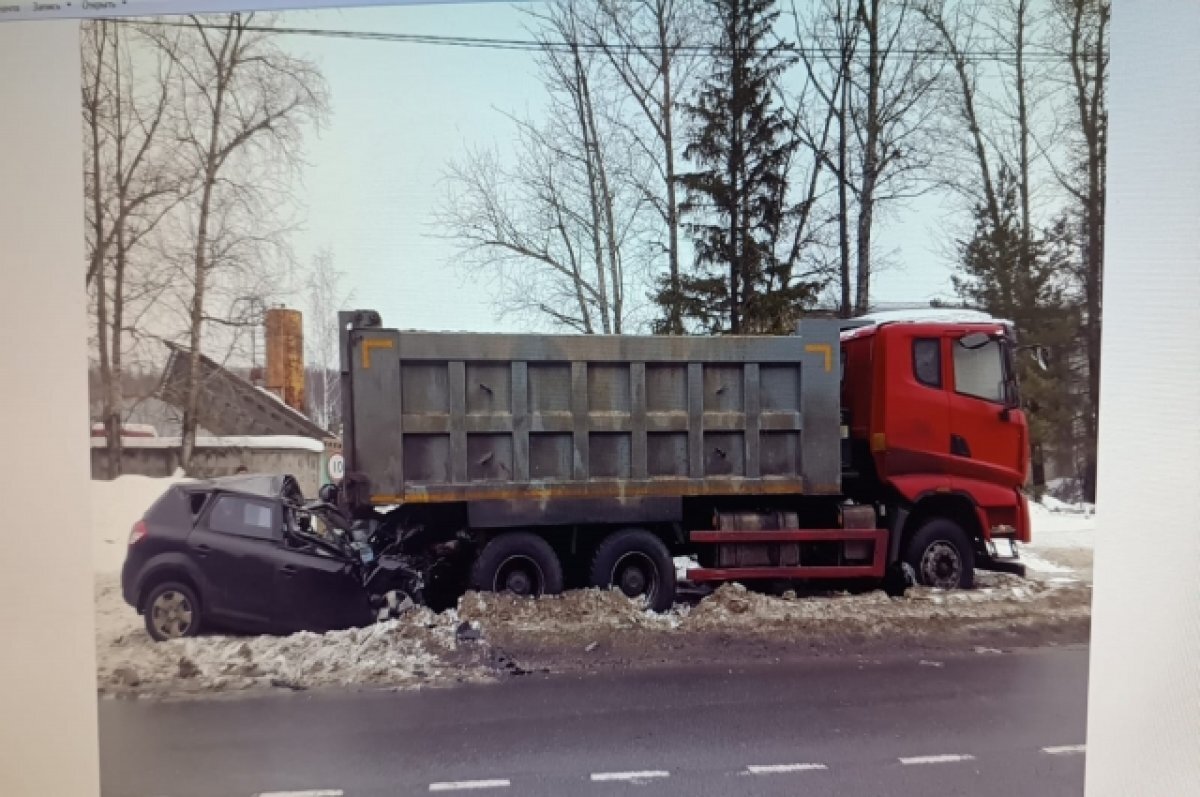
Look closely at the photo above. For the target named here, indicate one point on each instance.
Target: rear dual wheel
(520, 563)
(638, 564)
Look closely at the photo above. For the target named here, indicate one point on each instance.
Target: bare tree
(873, 78)
(1083, 24)
(555, 229)
(650, 46)
(130, 185)
(893, 74)
(326, 297)
(244, 107)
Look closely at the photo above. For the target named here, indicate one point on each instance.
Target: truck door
(987, 435)
(915, 406)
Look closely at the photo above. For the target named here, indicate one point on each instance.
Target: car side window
(927, 361)
(979, 372)
(243, 517)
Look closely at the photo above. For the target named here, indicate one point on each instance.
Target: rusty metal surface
(440, 417)
(229, 405)
(285, 356)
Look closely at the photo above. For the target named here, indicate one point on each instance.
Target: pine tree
(741, 141)
(1021, 278)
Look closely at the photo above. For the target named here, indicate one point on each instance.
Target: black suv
(248, 553)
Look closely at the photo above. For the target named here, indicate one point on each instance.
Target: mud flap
(898, 578)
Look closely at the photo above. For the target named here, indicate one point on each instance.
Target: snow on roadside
(116, 506)
(413, 650)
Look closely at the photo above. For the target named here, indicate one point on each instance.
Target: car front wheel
(172, 611)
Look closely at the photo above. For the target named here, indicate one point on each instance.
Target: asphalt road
(980, 724)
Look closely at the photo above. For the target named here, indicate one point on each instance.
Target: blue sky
(401, 112)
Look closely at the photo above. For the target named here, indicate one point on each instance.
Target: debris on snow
(422, 648)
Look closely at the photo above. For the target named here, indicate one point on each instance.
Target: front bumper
(1000, 555)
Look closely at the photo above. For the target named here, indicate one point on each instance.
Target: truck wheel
(519, 562)
(171, 611)
(941, 555)
(637, 563)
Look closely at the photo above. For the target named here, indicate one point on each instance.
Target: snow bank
(116, 506)
(465, 644)
(421, 647)
(287, 442)
(1060, 525)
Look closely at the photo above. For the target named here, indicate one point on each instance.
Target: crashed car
(250, 553)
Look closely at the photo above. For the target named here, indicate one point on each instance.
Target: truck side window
(243, 518)
(979, 372)
(927, 361)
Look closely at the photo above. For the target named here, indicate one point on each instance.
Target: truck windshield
(979, 370)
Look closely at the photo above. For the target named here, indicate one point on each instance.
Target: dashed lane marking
(470, 785)
(778, 769)
(630, 777)
(936, 759)
(303, 793)
(1066, 749)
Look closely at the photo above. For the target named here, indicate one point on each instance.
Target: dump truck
(893, 451)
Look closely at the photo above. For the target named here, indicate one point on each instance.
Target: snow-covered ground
(1063, 539)
(422, 648)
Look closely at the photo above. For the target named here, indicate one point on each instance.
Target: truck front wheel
(941, 555)
(519, 562)
(637, 563)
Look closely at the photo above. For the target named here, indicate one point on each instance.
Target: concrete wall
(210, 461)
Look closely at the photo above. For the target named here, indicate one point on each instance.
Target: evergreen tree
(741, 142)
(1021, 278)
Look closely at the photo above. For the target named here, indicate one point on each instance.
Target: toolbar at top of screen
(26, 10)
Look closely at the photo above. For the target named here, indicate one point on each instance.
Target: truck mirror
(975, 340)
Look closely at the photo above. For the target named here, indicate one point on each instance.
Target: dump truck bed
(452, 417)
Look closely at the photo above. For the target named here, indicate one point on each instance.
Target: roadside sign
(337, 467)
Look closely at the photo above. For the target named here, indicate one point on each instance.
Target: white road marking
(468, 785)
(632, 777)
(303, 793)
(936, 759)
(775, 769)
(1066, 749)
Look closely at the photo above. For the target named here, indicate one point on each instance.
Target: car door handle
(203, 550)
(288, 570)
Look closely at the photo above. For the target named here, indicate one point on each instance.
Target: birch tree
(245, 106)
(130, 184)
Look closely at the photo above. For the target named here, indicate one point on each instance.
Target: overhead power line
(536, 45)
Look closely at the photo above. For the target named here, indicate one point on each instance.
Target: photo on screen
(592, 394)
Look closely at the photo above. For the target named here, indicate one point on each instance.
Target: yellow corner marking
(822, 348)
(373, 343)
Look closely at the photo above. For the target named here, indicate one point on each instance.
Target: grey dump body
(547, 429)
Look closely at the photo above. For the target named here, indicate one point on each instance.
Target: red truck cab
(934, 425)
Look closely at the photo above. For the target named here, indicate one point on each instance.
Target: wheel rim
(941, 566)
(635, 574)
(521, 576)
(172, 614)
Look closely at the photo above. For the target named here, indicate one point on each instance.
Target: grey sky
(400, 112)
